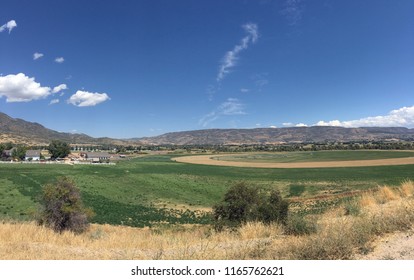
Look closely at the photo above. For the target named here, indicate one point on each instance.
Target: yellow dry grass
(338, 236)
(407, 188)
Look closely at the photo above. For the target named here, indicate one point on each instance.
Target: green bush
(298, 224)
(62, 207)
(242, 203)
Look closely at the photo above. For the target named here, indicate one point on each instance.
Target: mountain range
(314, 134)
(21, 131)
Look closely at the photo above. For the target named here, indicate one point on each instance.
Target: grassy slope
(133, 191)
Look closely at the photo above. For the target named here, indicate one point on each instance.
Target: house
(8, 153)
(96, 156)
(32, 155)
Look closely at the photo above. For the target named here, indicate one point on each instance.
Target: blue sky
(137, 68)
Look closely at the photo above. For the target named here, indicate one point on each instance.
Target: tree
(62, 207)
(273, 208)
(242, 203)
(59, 149)
(19, 152)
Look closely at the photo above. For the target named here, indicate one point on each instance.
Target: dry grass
(338, 236)
(407, 188)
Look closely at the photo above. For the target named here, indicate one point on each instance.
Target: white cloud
(228, 108)
(54, 101)
(244, 90)
(59, 59)
(231, 57)
(273, 126)
(86, 99)
(301, 125)
(329, 123)
(59, 88)
(37, 55)
(399, 117)
(21, 88)
(293, 11)
(287, 124)
(9, 26)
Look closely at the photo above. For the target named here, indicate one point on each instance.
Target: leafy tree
(19, 152)
(242, 203)
(7, 146)
(59, 149)
(62, 207)
(274, 208)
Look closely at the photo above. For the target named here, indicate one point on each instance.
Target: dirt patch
(396, 246)
(208, 160)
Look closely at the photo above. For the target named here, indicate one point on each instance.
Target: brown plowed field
(207, 160)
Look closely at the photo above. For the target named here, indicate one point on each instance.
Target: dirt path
(207, 160)
(396, 246)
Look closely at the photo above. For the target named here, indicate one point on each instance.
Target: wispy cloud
(9, 26)
(59, 88)
(211, 90)
(231, 57)
(402, 117)
(260, 80)
(87, 99)
(231, 107)
(59, 59)
(54, 101)
(293, 11)
(21, 88)
(37, 55)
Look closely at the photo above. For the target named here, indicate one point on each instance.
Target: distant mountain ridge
(21, 131)
(281, 135)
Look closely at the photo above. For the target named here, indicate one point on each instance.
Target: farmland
(319, 159)
(317, 156)
(154, 189)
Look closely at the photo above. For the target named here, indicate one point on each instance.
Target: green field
(317, 156)
(154, 189)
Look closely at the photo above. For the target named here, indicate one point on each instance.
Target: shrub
(62, 207)
(242, 204)
(352, 208)
(298, 224)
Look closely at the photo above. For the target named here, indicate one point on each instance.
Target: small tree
(59, 149)
(63, 208)
(19, 153)
(273, 208)
(242, 203)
